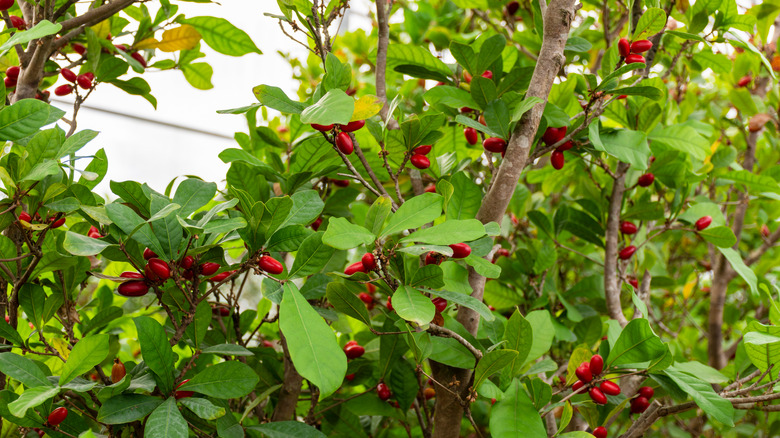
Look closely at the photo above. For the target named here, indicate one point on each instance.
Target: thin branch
(96, 15)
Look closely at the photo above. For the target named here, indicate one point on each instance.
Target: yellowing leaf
(688, 289)
(149, 43)
(61, 346)
(365, 107)
(102, 29)
(184, 37)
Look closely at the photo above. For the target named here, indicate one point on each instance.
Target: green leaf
(449, 96)
(342, 234)
(483, 267)
(25, 117)
(651, 22)
(465, 56)
(519, 336)
(466, 198)
(742, 269)
(649, 92)
(166, 421)
(411, 305)
(405, 54)
(543, 331)
(334, 107)
(222, 36)
(311, 257)
(524, 106)
(127, 408)
(492, 363)
(287, 429)
(32, 298)
(611, 78)
(703, 372)
(429, 276)
(31, 398)
(466, 301)
(637, 346)
(378, 213)
(762, 344)
(448, 232)
(312, 343)
(624, 144)
(683, 138)
(101, 319)
(42, 29)
(414, 213)
(129, 222)
(23, 370)
(227, 350)
(198, 74)
(156, 351)
(192, 194)
(489, 52)
(346, 302)
(754, 182)
(307, 207)
(275, 98)
(203, 408)
(10, 334)
(81, 245)
(224, 380)
(719, 236)
(515, 415)
(87, 353)
(705, 397)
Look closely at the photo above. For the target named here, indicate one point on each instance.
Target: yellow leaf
(688, 289)
(184, 37)
(149, 43)
(102, 29)
(366, 107)
(61, 346)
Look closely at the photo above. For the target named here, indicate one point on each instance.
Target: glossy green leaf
(311, 257)
(519, 337)
(411, 305)
(414, 213)
(227, 350)
(493, 362)
(466, 301)
(651, 22)
(223, 36)
(166, 421)
(342, 234)
(31, 398)
(287, 429)
(80, 245)
(41, 29)
(515, 416)
(156, 351)
(762, 345)
(637, 346)
(346, 302)
(23, 370)
(127, 408)
(224, 380)
(742, 269)
(719, 236)
(203, 408)
(448, 232)
(702, 393)
(334, 107)
(87, 353)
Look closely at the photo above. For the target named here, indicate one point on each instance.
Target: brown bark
(291, 388)
(611, 278)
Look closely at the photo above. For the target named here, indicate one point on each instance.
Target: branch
(383, 40)
(447, 333)
(611, 278)
(362, 158)
(94, 16)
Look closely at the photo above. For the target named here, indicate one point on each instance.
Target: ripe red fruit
(494, 144)
(209, 268)
(134, 288)
(79, 48)
(63, 90)
(322, 128)
(433, 258)
(117, 371)
(316, 224)
(512, 7)
(557, 160)
(58, 223)
(270, 265)
(703, 222)
(492, 401)
(90, 75)
(633, 282)
(9, 83)
(352, 126)
(24, 216)
(744, 80)
(628, 228)
(577, 386)
(18, 22)
(422, 150)
(140, 58)
(634, 58)
(183, 394)
(600, 432)
(641, 46)
(370, 287)
(221, 276)
(224, 311)
(94, 233)
(57, 416)
(639, 405)
(354, 351)
(646, 392)
(646, 180)
(128, 274)
(84, 82)
(627, 252)
(597, 396)
(440, 304)
(430, 188)
(6, 4)
(13, 71)
(186, 262)
(429, 393)
(583, 372)
(610, 388)
(122, 47)
(344, 143)
(366, 298)
(460, 250)
(350, 377)
(596, 364)
(389, 304)
(471, 135)
(467, 77)
(369, 262)
(764, 230)
(383, 391)
(466, 110)
(355, 268)
(554, 135)
(624, 47)
(420, 161)
(340, 182)
(487, 74)
(149, 254)
(268, 344)
(160, 268)
(565, 147)
(68, 74)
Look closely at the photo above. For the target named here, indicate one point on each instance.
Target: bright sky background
(155, 154)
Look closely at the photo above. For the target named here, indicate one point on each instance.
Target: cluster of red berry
(343, 140)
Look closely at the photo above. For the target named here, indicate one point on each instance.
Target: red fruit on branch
(429, 393)
(703, 222)
(430, 188)
(140, 58)
(56, 224)
(57, 416)
(627, 227)
(354, 351)
(352, 126)
(134, 288)
(182, 394)
(646, 180)
(340, 182)
(350, 377)
(433, 258)
(466, 110)
(633, 282)
(467, 77)
(583, 372)
(624, 47)
(596, 364)
(634, 58)
(383, 391)
(90, 75)
(600, 432)
(554, 135)
(440, 304)
(18, 22)
(460, 250)
(68, 75)
(270, 265)
(487, 74)
(344, 143)
(627, 252)
(557, 160)
(641, 46)
(366, 298)
(597, 396)
(128, 274)
(646, 392)
(79, 48)
(221, 276)
(118, 371)
(186, 262)
(94, 233)
(322, 128)
(9, 83)
(472, 137)
(422, 150)
(512, 7)
(764, 230)
(160, 268)
(494, 144)
(316, 224)
(84, 82)
(744, 80)
(13, 71)
(420, 161)
(24, 216)
(6, 4)
(355, 268)
(369, 261)
(149, 254)
(565, 147)
(209, 269)
(390, 304)
(370, 287)
(639, 405)
(63, 90)
(577, 386)
(609, 388)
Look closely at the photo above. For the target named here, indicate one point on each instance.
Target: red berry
(554, 135)
(565, 147)
(557, 160)
(221, 276)
(596, 364)
(183, 394)
(340, 182)
(316, 224)
(460, 250)
(639, 405)
(57, 416)
(583, 372)
(646, 392)
(471, 135)
(610, 388)
(627, 252)
(440, 304)
(209, 268)
(13, 71)
(84, 82)
(600, 432)
(487, 74)
(512, 7)
(430, 188)
(764, 230)
(149, 254)
(422, 150)
(79, 48)
(6, 4)
(160, 269)
(494, 144)
(90, 75)
(18, 22)
(322, 128)
(646, 180)
(352, 126)
(344, 143)
(420, 161)
(68, 75)
(355, 268)
(429, 393)
(58, 223)
(354, 351)
(129, 274)
(186, 262)
(370, 287)
(94, 233)
(63, 90)
(268, 344)
(122, 47)
(117, 371)
(577, 386)
(383, 391)
(369, 262)
(641, 46)
(466, 110)
(633, 282)
(9, 83)
(744, 80)
(703, 222)
(622, 96)
(597, 396)
(389, 304)
(624, 47)
(628, 228)
(467, 77)
(634, 58)
(433, 258)
(366, 298)
(492, 401)
(350, 377)
(134, 288)
(270, 265)
(140, 58)
(24, 216)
